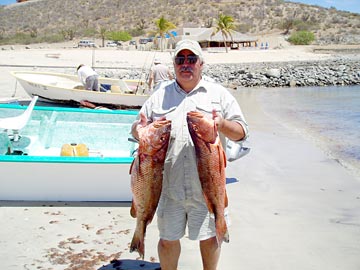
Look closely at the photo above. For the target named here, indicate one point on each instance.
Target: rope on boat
(14, 94)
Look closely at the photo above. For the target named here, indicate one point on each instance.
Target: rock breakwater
(287, 74)
(342, 71)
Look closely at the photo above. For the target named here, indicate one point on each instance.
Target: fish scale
(211, 163)
(146, 178)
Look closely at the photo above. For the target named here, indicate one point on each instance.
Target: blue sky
(348, 5)
(6, 2)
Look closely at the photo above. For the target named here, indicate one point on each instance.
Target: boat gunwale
(68, 109)
(68, 160)
(18, 77)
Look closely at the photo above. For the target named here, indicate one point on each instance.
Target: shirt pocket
(158, 113)
(207, 108)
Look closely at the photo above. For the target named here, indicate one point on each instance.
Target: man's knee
(168, 244)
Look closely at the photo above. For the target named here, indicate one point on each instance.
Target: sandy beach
(291, 206)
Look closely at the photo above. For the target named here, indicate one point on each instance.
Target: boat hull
(44, 181)
(35, 167)
(59, 87)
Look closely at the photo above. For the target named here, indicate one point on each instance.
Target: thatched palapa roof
(205, 35)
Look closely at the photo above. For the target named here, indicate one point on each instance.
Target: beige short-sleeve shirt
(181, 180)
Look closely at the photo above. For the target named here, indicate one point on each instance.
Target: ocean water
(328, 115)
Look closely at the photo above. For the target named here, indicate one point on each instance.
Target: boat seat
(115, 89)
(125, 88)
(16, 123)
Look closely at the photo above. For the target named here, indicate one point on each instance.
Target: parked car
(112, 44)
(132, 42)
(86, 43)
(145, 40)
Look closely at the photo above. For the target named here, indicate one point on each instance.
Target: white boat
(60, 87)
(65, 154)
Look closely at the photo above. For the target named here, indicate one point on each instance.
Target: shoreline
(291, 66)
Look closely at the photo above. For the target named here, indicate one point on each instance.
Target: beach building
(207, 40)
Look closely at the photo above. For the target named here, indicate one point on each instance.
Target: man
(182, 202)
(159, 73)
(88, 77)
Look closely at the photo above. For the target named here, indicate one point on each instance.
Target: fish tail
(138, 243)
(133, 209)
(226, 236)
(222, 233)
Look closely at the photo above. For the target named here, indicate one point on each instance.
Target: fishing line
(141, 74)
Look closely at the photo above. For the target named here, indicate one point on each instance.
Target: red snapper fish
(146, 178)
(211, 163)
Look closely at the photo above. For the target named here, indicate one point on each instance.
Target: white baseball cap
(191, 45)
(157, 61)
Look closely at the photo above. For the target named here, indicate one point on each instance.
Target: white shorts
(173, 216)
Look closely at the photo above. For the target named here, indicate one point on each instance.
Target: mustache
(185, 68)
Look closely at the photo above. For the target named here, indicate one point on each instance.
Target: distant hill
(84, 18)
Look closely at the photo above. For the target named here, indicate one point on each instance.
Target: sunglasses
(191, 59)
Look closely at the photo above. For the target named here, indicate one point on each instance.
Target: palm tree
(103, 33)
(163, 28)
(224, 24)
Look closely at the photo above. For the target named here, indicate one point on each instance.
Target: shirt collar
(199, 87)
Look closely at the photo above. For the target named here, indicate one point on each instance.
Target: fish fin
(140, 158)
(215, 133)
(133, 210)
(224, 157)
(209, 146)
(226, 237)
(208, 204)
(132, 164)
(138, 243)
(226, 200)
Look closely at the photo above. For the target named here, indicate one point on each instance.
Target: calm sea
(329, 115)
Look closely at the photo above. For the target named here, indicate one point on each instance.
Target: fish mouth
(202, 127)
(160, 123)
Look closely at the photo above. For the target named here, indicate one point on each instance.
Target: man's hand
(219, 121)
(142, 122)
(233, 130)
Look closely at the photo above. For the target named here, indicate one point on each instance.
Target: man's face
(188, 69)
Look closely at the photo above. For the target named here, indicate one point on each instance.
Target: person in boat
(182, 203)
(88, 77)
(159, 73)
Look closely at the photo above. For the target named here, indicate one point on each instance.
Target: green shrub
(26, 39)
(119, 36)
(302, 38)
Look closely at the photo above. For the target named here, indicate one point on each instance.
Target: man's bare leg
(210, 253)
(169, 253)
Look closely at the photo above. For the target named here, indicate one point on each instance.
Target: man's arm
(81, 77)
(231, 129)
